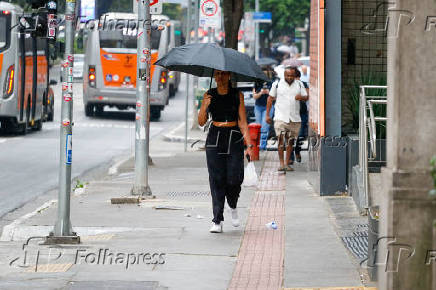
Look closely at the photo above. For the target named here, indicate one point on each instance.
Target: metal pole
(197, 20)
(256, 35)
(143, 82)
(62, 232)
(188, 40)
(194, 101)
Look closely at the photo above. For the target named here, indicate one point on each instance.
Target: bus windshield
(126, 39)
(4, 32)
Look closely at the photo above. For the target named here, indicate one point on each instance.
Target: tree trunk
(233, 12)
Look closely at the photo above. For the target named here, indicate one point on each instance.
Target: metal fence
(368, 128)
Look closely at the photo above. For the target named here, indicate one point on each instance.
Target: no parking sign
(210, 13)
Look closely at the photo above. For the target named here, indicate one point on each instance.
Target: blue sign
(262, 16)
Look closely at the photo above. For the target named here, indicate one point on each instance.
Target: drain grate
(358, 246)
(188, 194)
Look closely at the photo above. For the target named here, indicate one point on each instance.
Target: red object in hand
(254, 131)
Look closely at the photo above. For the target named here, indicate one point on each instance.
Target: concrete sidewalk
(164, 243)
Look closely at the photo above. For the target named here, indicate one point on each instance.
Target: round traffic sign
(209, 8)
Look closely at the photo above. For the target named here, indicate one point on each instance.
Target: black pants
(225, 162)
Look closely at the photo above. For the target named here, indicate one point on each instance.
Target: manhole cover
(115, 285)
(188, 194)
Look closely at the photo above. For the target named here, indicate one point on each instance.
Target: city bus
(110, 64)
(175, 39)
(24, 80)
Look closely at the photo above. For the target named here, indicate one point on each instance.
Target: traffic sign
(210, 13)
(263, 17)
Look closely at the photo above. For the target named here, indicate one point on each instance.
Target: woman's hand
(206, 100)
(202, 115)
(249, 152)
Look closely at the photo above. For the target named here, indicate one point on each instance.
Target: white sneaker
(235, 218)
(216, 228)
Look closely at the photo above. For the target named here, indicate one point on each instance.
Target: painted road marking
(4, 139)
(92, 125)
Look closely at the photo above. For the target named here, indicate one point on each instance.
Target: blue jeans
(260, 114)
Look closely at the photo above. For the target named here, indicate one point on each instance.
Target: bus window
(4, 32)
(119, 39)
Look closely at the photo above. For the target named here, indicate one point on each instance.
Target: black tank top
(224, 108)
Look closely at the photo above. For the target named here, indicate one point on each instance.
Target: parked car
(247, 89)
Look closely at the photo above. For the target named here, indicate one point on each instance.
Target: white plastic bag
(250, 175)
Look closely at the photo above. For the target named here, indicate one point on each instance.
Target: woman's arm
(243, 125)
(202, 115)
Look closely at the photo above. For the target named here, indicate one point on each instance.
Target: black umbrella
(265, 61)
(201, 59)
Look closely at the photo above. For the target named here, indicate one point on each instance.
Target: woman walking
(225, 146)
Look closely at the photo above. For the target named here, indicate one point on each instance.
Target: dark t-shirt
(263, 98)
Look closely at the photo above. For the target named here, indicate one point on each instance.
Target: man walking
(287, 93)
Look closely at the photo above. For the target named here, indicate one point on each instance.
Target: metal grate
(188, 194)
(358, 244)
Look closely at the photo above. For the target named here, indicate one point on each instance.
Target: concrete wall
(407, 211)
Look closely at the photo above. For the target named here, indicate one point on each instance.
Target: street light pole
(256, 35)
(188, 40)
(143, 82)
(63, 232)
(194, 105)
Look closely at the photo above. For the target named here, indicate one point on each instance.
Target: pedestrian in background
(260, 94)
(225, 146)
(287, 121)
(304, 115)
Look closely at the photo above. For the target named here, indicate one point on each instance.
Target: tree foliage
(173, 11)
(286, 14)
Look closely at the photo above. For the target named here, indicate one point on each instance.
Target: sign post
(63, 232)
(188, 79)
(143, 83)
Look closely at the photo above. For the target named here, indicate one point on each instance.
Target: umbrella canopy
(266, 61)
(292, 62)
(284, 49)
(201, 59)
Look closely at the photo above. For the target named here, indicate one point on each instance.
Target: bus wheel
(89, 110)
(38, 125)
(50, 114)
(172, 91)
(22, 128)
(155, 114)
(99, 110)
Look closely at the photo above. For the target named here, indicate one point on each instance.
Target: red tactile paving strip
(260, 259)
(270, 178)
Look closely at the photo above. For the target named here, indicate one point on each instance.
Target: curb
(172, 137)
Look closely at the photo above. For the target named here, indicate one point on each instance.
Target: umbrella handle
(210, 84)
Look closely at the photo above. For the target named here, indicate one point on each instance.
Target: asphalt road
(30, 164)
